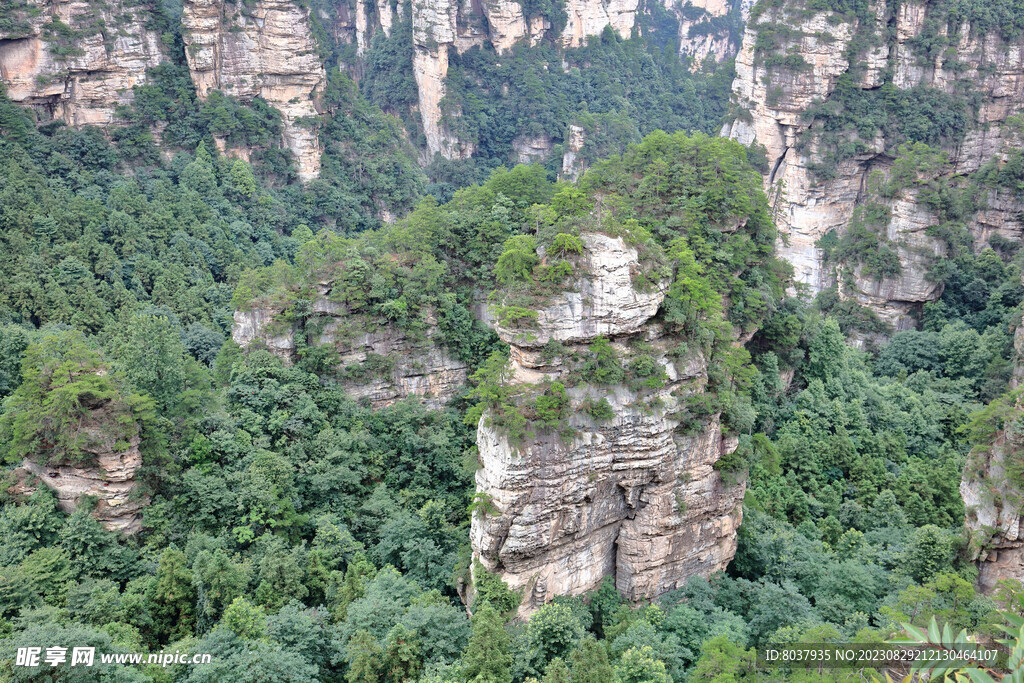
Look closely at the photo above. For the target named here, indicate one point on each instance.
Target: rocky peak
(261, 49)
(110, 479)
(101, 462)
(620, 488)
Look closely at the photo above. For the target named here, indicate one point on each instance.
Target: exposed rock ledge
(398, 367)
(630, 497)
(110, 479)
(87, 85)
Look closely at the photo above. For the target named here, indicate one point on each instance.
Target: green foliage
(281, 496)
(845, 123)
(488, 657)
(616, 90)
(551, 408)
(552, 632)
(863, 243)
(491, 590)
(600, 410)
(517, 261)
(67, 407)
(245, 620)
(602, 364)
(563, 245)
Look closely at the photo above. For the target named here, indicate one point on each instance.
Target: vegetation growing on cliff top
(293, 530)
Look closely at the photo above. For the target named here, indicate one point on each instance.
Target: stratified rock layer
(260, 49)
(631, 497)
(993, 501)
(777, 98)
(380, 364)
(77, 61)
(994, 508)
(106, 473)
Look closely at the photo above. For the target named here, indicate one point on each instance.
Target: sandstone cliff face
(994, 502)
(572, 165)
(381, 365)
(778, 96)
(76, 60)
(590, 17)
(895, 300)
(108, 476)
(704, 28)
(994, 506)
(632, 496)
(264, 49)
(443, 25)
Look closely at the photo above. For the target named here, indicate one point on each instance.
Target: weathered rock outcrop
(261, 49)
(995, 506)
(443, 25)
(814, 189)
(992, 487)
(632, 493)
(704, 27)
(572, 165)
(380, 364)
(590, 17)
(107, 474)
(896, 300)
(75, 60)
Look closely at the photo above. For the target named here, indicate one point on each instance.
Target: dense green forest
(297, 534)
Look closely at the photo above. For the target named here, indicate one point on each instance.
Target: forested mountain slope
(299, 370)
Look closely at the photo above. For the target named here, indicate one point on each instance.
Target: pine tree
(174, 596)
(364, 661)
(590, 663)
(488, 657)
(402, 655)
(557, 672)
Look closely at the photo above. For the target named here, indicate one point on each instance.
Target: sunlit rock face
(261, 49)
(809, 204)
(77, 61)
(633, 496)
